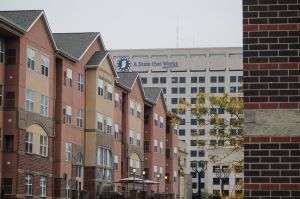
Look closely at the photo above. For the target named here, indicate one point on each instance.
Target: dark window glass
(193, 100)
(202, 89)
(221, 79)
(201, 153)
(201, 131)
(9, 143)
(240, 79)
(221, 90)
(232, 78)
(240, 89)
(174, 110)
(174, 79)
(174, 101)
(144, 80)
(164, 90)
(182, 90)
(193, 89)
(221, 111)
(194, 185)
(201, 79)
(181, 132)
(193, 142)
(193, 121)
(216, 181)
(232, 89)
(182, 80)
(193, 79)
(181, 121)
(213, 79)
(193, 153)
(154, 80)
(226, 181)
(163, 80)
(194, 174)
(213, 89)
(174, 90)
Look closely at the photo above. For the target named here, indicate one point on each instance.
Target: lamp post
(199, 168)
(158, 176)
(166, 179)
(134, 171)
(222, 174)
(144, 173)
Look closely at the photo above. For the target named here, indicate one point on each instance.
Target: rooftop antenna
(177, 32)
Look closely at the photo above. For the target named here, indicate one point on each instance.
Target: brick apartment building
(68, 121)
(271, 89)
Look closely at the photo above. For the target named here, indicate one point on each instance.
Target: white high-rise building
(182, 73)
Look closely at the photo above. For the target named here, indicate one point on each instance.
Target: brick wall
(271, 47)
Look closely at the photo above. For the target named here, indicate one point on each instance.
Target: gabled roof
(127, 79)
(97, 58)
(152, 95)
(24, 20)
(75, 45)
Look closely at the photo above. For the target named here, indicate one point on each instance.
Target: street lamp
(222, 174)
(134, 171)
(166, 178)
(199, 168)
(158, 176)
(144, 173)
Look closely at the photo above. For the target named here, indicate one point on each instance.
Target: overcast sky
(134, 24)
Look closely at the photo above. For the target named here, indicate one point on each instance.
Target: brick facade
(271, 33)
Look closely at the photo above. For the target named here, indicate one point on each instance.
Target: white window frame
(109, 92)
(68, 188)
(45, 66)
(99, 156)
(44, 105)
(28, 184)
(1, 95)
(161, 147)
(43, 145)
(155, 119)
(161, 171)
(155, 146)
(116, 162)
(109, 125)
(155, 170)
(30, 58)
(29, 100)
(99, 121)
(1, 51)
(175, 152)
(161, 122)
(100, 87)
(138, 111)
(29, 142)
(69, 77)
(68, 114)
(130, 166)
(131, 107)
(138, 167)
(138, 139)
(80, 83)
(68, 152)
(79, 118)
(43, 186)
(131, 137)
(117, 131)
(117, 101)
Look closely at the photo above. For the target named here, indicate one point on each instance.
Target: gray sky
(133, 24)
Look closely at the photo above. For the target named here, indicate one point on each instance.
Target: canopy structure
(148, 182)
(129, 180)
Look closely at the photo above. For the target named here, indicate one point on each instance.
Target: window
(138, 167)
(216, 181)
(194, 185)
(99, 121)
(80, 82)
(240, 89)
(194, 122)
(155, 171)
(193, 90)
(193, 142)
(163, 80)
(69, 78)
(193, 100)
(181, 100)
(155, 146)
(68, 188)
(116, 131)
(161, 147)
(43, 145)
(28, 184)
(213, 89)
(79, 118)
(109, 125)
(68, 152)
(221, 89)
(138, 139)
(154, 80)
(1, 51)
(45, 65)
(30, 58)
(68, 114)
(194, 79)
(155, 119)
(164, 90)
(240, 79)
(100, 87)
(213, 79)
(202, 89)
(201, 153)
(221, 111)
(7, 185)
(44, 105)
(174, 100)
(1, 95)
(232, 89)
(181, 79)
(29, 100)
(144, 80)
(202, 79)
(117, 100)
(131, 137)
(131, 108)
(161, 171)
(139, 110)
(28, 142)
(43, 186)
(109, 92)
(193, 153)
(175, 152)
(161, 122)
(175, 175)
(182, 90)
(174, 80)
(116, 161)
(232, 78)
(181, 132)
(9, 143)
(221, 79)
(174, 90)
